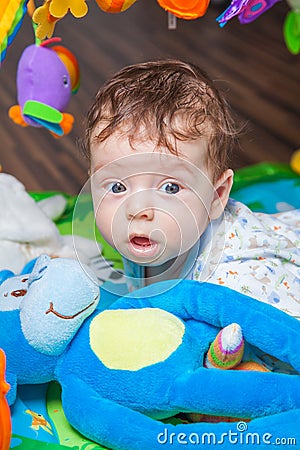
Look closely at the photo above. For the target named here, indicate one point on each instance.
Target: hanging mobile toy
(185, 9)
(114, 6)
(5, 420)
(11, 16)
(46, 78)
(246, 10)
(47, 15)
(291, 27)
(51, 11)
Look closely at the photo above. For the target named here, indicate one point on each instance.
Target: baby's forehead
(144, 149)
(152, 164)
(146, 161)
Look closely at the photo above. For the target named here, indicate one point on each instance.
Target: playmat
(37, 416)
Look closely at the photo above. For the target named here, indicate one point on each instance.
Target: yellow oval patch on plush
(130, 339)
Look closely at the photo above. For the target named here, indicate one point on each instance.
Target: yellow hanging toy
(51, 11)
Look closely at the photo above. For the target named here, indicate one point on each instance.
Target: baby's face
(150, 205)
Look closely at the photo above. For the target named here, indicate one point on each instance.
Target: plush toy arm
(120, 428)
(104, 421)
(264, 326)
(235, 393)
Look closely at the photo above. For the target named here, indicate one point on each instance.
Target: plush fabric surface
(180, 383)
(118, 406)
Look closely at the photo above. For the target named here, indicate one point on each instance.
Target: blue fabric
(119, 408)
(106, 404)
(29, 266)
(5, 274)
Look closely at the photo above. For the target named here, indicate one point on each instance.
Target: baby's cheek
(192, 225)
(111, 223)
(104, 223)
(169, 232)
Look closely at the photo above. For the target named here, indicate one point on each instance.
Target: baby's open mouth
(142, 245)
(141, 241)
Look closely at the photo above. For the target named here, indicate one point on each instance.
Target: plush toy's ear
(39, 268)
(5, 274)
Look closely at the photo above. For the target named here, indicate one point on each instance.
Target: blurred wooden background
(251, 64)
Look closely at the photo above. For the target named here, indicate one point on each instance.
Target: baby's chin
(159, 266)
(147, 262)
(158, 260)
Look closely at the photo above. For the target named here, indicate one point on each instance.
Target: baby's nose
(145, 214)
(139, 206)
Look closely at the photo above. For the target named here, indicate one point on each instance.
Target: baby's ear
(221, 194)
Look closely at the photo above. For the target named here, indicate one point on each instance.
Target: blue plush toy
(39, 315)
(142, 359)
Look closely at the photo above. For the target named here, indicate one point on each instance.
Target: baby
(159, 137)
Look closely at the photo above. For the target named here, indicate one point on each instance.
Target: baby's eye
(170, 188)
(117, 188)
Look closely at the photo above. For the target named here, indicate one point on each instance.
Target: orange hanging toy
(114, 6)
(5, 421)
(185, 9)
